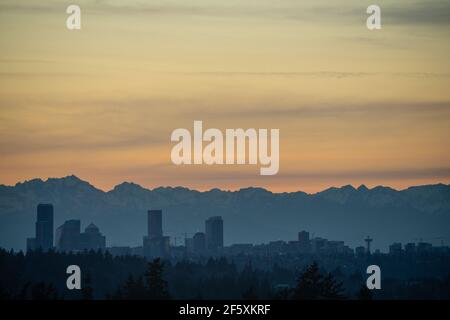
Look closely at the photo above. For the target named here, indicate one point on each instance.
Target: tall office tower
(155, 244)
(68, 236)
(155, 224)
(44, 227)
(214, 233)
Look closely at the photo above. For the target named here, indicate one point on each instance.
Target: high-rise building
(68, 236)
(155, 244)
(92, 239)
(154, 224)
(44, 227)
(214, 234)
(43, 239)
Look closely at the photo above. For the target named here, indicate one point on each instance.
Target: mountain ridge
(73, 177)
(251, 214)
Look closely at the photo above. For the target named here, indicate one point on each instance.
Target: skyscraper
(44, 227)
(155, 244)
(68, 236)
(154, 224)
(214, 234)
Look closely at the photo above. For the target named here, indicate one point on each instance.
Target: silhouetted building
(92, 239)
(156, 247)
(189, 245)
(276, 246)
(318, 244)
(68, 236)
(154, 224)
(303, 236)
(424, 247)
(137, 251)
(304, 244)
(199, 243)
(214, 234)
(155, 244)
(410, 248)
(360, 251)
(178, 252)
(43, 229)
(395, 248)
(240, 248)
(335, 247)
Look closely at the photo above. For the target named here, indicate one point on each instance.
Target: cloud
(315, 74)
(293, 111)
(432, 12)
(77, 142)
(386, 174)
(321, 74)
(231, 174)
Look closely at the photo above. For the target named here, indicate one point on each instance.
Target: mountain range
(251, 215)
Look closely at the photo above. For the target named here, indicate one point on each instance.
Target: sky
(353, 106)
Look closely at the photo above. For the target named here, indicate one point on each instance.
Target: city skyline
(354, 213)
(68, 238)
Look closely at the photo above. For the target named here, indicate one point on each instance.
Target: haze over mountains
(251, 215)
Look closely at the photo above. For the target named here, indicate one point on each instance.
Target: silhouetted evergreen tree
(309, 284)
(128, 288)
(42, 291)
(364, 293)
(86, 288)
(312, 285)
(157, 288)
(331, 289)
(23, 292)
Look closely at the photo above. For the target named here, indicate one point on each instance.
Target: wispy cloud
(435, 12)
(297, 111)
(316, 74)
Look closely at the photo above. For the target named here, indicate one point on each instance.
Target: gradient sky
(353, 106)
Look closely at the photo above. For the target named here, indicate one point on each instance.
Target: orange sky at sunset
(353, 106)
